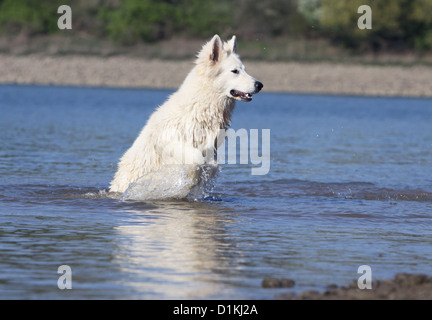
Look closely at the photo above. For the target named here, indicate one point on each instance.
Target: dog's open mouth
(244, 96)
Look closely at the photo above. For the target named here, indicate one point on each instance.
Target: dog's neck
(210, 106)
(227, 113)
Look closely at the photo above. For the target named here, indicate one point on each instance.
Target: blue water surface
(350, 184)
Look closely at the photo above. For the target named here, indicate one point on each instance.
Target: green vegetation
(28, 16)
(398, 25)
(131, 21)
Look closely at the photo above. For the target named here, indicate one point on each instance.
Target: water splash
(99, 194)
(189, 182)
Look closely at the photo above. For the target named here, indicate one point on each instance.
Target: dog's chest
(208, 129)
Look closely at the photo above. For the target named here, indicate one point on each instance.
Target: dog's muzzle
(247, 96)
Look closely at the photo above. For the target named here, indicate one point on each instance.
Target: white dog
(185, 129)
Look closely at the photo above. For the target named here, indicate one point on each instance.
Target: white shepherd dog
(185, 129)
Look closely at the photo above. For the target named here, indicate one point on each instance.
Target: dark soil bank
(403, 287)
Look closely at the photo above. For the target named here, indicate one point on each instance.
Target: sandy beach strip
(293, 77)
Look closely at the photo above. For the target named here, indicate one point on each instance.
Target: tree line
(397, 24)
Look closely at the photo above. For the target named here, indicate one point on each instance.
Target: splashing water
(173, 182)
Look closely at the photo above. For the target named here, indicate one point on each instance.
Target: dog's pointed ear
(216, 48)
(233, 44)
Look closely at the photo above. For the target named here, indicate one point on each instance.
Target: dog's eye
(235, 71)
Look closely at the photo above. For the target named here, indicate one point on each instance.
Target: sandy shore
(123, 71)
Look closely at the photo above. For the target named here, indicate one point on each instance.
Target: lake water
(350, 184)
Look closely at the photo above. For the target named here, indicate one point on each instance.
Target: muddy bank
(403, 287)
(295, 77)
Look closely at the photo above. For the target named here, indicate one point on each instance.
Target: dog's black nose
(258, 86)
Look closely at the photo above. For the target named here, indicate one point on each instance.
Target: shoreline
(404, 286)
(283, 77)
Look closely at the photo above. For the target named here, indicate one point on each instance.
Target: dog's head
(221, 62)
